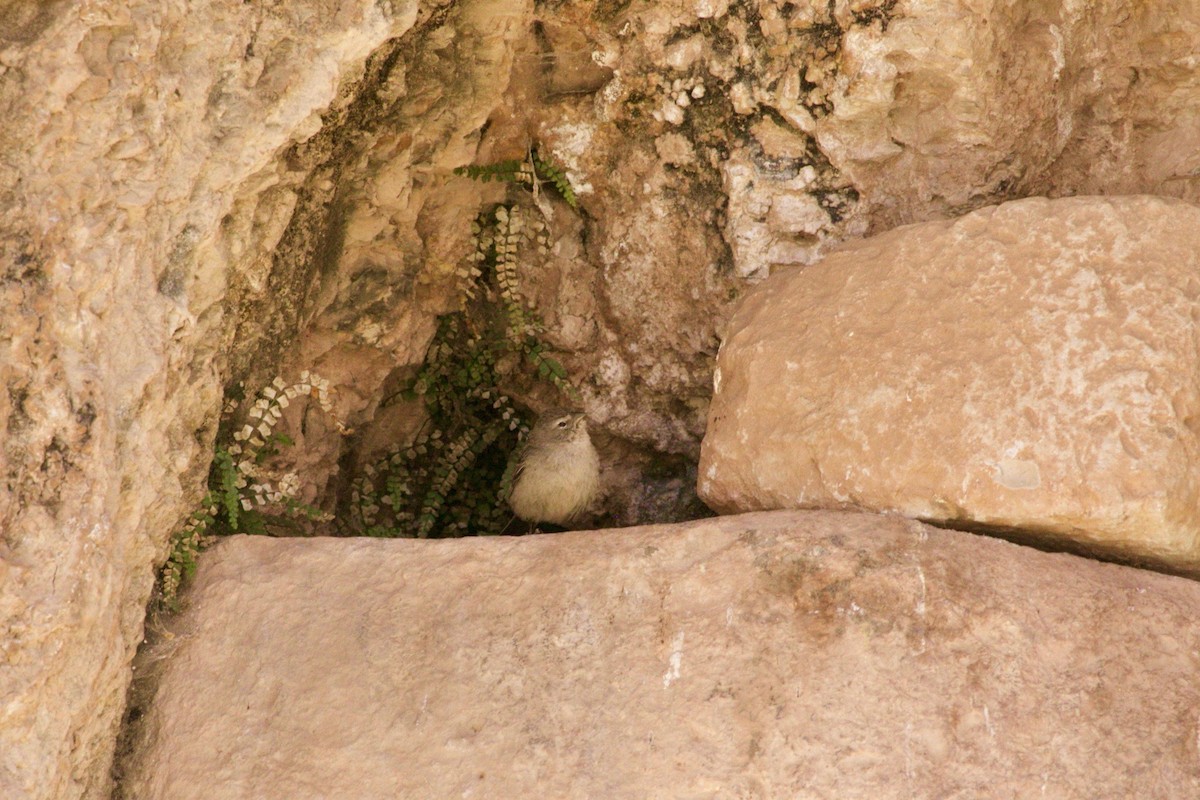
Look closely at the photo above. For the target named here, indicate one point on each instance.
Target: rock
(133, 137)
(767, 655)
(816, 123)
(198, 195)
(1031, 366)
(1043, 108)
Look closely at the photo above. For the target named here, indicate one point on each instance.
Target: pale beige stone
(785, 655)
(196, 194)
(932, 108)
(860, 116)
(1032, 366)
(136, 138)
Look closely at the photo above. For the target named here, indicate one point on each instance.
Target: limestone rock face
(768, 655)
(931, 108)
(1032, 366)
(196, 195)
(129, 134)
(731, 138)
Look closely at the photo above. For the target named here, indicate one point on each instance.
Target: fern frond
(548, 170)
(498, 171)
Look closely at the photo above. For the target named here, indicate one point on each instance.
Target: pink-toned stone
(1042, 108)
(807, 655)
(133, 137)
(1032, 366)
(192, 194)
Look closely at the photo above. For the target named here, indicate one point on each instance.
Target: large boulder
(1032, 367)
(769, 655)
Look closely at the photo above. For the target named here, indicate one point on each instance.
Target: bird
(557, 472)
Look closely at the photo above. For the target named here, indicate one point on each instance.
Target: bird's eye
(562, 423)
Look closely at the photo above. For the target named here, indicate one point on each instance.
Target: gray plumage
(558, 471)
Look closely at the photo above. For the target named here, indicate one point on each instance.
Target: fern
(552, 172)
(228, 482)
(549, 369)
(510, 171)
(450, 481)
(186, 544)
(533, 172)
(453, 481)
(240, 489)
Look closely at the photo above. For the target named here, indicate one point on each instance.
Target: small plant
(512, 171)
(453, 479)
(554, 173)
(243, 497)
(532, 172)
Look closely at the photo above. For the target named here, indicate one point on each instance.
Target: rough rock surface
(770, 655)
(1031, 366)
(194, 195)
(727, 139)
(129, 133)
(933, 109)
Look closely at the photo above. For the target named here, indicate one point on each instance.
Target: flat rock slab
(1033, 366)
(770, 655)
